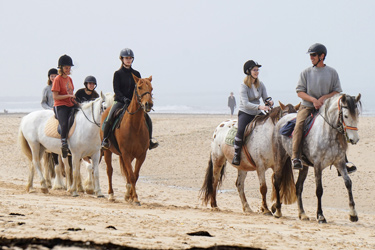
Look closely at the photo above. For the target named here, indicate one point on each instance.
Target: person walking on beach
(231, 104)
(316, 84)
(47, 97)
(252, 89)
(87, 93)
(123, 86)
(62, 90)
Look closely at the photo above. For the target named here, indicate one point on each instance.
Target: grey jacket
(249, 102)
(47, 98)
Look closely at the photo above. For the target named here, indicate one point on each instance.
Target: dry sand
(168, 190)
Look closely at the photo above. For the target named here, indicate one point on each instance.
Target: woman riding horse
(123, 86)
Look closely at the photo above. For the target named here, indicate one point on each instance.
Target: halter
(139, 99)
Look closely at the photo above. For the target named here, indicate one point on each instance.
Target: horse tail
(24, 145)
(287, 185)
(207, 189)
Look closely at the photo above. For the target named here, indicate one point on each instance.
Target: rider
(123, 86)
(316, 84)
(87, 93)
(62, 90)
(250, 93)
(47, 98)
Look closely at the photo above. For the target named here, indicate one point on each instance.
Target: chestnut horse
(132, 137)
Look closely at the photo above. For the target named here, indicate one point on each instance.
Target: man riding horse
(316, 84)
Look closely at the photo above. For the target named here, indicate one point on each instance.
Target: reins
(92, 113)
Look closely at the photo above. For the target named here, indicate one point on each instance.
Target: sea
(31, 103)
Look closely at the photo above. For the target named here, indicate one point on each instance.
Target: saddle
(288, 128)
(53, 129)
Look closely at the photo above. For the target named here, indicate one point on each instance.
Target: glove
(126, 101)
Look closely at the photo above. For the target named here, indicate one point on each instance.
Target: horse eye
(346, 116)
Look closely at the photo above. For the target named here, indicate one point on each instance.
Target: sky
(194, 49)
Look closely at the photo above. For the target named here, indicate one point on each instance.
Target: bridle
(341, 126)
(139, 100)
(92, 113)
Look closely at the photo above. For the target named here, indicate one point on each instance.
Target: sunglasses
(255, 70)
(313, 54)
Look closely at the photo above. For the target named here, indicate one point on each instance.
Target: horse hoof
(303, 217)
(99, 195)
(267, 213)
(44, 190)
(215, 209)
(321, 219)
(137, 203)
(111, 198)
(353, 218)
(273, 208)
(75, 194)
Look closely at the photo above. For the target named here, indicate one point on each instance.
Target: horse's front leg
(131, 193)
(76, 175)
(59, 182)
(47, 162)
(261, 171)
(319, 193)
(89, 182)
(240, 184)
(108, 162)
(68, 173)
(348, 183)
(95, 165)
(36, 163)
(299, 189)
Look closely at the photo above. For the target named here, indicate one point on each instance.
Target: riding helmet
(317, 48)
(65, 60)
(90, 79)
(52, 71)
(249, 65)
(126, 52)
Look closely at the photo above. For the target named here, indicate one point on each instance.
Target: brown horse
(132, 137)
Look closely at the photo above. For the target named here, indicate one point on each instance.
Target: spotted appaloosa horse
(259, 147)
(325, 145)
(132, 137)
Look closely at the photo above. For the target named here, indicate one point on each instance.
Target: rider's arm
(56, 96)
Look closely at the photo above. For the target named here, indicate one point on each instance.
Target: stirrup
(236, 160)
(65, 151)
(297, 164)
(105, 144)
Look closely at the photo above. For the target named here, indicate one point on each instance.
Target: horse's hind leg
(240, 184)
(319, 193)
(59, 182)
(95, 173)
(47, 160)
(299, 189)
(348, 184)
(89, 183)
(108, 161)
(263, 189)
(38, 152)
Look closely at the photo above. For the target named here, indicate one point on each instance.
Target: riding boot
(149, 124)
(237, 151)
(64, 147)
(107, 126)
(350, 167)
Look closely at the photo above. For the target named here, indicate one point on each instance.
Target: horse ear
(101, 95)
(136, 79)
(358, 97)
(150, 78)
(343, 98)
(297, 106)
(282, 106)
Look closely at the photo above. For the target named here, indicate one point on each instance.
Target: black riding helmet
(126, 52)
(52, 71)
(249, 65)
(90, 79)
(65, 60)
(318, 48)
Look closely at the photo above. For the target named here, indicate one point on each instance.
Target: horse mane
(85, 105)
(274, 115)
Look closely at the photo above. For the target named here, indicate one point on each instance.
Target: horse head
(349, 107)
(143, 92)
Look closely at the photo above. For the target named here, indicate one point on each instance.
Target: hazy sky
(194, 49)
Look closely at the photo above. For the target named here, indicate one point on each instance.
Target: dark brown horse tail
(207, 189)
(287, 185)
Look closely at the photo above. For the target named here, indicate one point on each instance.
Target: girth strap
(248, 156)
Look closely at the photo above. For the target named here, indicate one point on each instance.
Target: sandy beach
(168, 190)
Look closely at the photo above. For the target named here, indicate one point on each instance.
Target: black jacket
(81, 96)
(124, 84)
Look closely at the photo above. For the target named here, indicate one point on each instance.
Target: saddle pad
(51, 128)
(288, 128)
(229, 139)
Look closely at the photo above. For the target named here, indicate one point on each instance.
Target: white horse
(325, 145)
(85, 141)
(259, 147)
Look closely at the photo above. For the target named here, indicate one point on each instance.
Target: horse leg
(348, 184)
(319, 193)
(95, 168)
(132, 180)
(76, 175)
(263, 189)
(37, 153)
(80, 188)
(89, 185)
(128, 186)
(108, 162)
(276, 207)
(46, 168)
(299, 188)
(240, 184)
(217, 177)
(59, 183)
(68, 173)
